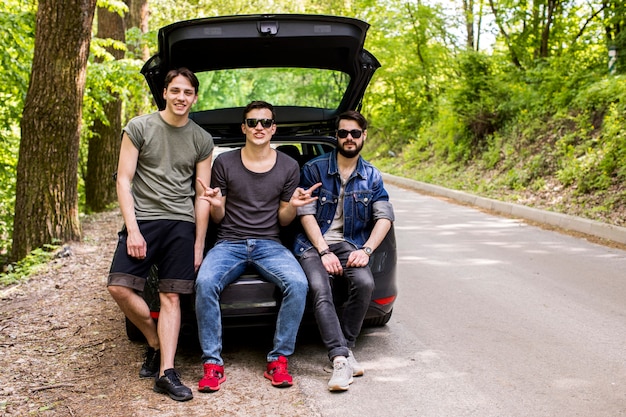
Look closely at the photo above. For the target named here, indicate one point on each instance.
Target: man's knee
(169, 300)
(298, 286)
(119, 292)
(364, 281)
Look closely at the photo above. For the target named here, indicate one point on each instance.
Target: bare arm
(380, 230)
(214, 197)
(202, 208)
(127, 165)
(314, 233)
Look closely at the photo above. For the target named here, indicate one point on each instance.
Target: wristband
(325, 252)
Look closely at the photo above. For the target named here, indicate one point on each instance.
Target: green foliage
(523, 116)
(476, 99)
(594, 158)
(31, 264)
(286, 86)
(411, 42)
(114, 6)
(108, 79)
(17, 20)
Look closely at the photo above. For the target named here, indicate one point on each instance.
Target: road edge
(589, 227)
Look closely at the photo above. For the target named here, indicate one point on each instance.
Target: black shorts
(170, 246)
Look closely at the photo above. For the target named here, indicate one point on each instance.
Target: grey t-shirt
(253, 199)
(164, 182)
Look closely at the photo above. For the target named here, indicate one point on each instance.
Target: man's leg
(362, 285)
(324, 306)
(168, 329)
(224, 263)
(137, 311)
(278, 265)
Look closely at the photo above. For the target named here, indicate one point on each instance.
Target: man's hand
(332, 264)
(212, 195)
(302, 197)
(357, 259)
(136, 246)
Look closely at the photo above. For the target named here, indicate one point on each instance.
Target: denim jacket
(365, 199)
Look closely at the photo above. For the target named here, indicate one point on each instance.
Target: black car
(311, 68)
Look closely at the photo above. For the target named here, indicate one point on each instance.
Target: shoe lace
(280, 366)
(212, 371)
(173, 376)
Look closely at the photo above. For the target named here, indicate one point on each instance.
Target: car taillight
(386, 300)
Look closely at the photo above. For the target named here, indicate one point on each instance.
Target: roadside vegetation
(519, 101)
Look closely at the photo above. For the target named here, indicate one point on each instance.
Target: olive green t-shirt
(164, 183)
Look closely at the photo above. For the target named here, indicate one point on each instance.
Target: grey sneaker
(342, 376)
(170, 384)
(151, 362)
(357, 369)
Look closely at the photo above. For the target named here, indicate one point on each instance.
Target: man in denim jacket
(347, 222)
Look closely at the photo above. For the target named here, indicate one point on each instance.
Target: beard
(352, 152)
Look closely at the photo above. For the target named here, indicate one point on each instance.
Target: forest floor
(64, 350)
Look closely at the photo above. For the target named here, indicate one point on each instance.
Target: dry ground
(64, 351)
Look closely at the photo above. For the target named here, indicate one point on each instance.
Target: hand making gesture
(302, 197)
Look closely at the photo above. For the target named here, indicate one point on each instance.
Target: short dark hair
(185, 72)
(352, 115)
(258, 104)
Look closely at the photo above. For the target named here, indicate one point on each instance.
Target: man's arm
(313, 232)
(202, 208)
(287, 210)
(127, 165)
(380, 230)
(359, 258)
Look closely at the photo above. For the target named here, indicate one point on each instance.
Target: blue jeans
(338, 335)
(223, 264)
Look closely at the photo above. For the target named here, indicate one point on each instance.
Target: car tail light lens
(386, 300)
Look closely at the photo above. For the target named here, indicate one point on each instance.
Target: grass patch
(31, 264)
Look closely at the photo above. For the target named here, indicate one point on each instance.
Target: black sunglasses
(264, 122)
(355, 133)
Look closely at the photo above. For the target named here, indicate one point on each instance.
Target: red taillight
(386, 300)
(154, 315)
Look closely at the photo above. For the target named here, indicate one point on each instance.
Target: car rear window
(306, 87)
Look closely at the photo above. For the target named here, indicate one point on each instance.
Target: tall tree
(46, 206)
(615, 30)
(468, 11)
(137, 17)
(104, 144)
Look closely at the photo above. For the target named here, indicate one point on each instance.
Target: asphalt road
(494, 318)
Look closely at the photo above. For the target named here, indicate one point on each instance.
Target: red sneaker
(213, 377)
(278, 373)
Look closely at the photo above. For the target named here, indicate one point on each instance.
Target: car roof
(266, 41)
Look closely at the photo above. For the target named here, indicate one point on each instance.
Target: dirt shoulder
(64, 351)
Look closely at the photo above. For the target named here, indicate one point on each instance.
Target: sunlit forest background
(504, 98)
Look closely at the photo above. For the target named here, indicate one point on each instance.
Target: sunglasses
(264, 122)
(343, 133)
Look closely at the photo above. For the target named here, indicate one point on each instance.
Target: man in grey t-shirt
(161, 153)
(254, 191)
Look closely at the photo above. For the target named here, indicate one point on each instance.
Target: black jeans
(338, 335)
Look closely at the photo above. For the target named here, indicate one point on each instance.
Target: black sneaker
(170, 384)
(151, 362)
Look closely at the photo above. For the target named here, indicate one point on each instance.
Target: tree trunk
(105, 144)
(46, 205)
(137, 17)
(544, 49)
(468, 9)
